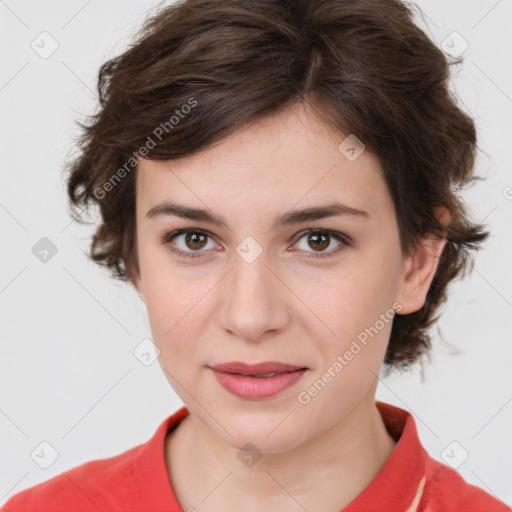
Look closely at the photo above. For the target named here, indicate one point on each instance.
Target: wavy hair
(200, 69)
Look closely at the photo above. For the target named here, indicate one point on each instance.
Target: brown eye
(188, 243)
(319, 240)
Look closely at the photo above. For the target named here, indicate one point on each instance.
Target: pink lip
(255, 369)
(236, 378)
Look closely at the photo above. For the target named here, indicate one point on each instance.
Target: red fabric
(137, 480)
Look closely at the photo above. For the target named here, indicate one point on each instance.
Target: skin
(282, 307)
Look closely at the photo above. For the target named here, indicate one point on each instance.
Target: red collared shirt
(137, 480)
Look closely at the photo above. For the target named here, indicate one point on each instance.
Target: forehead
(272, 164)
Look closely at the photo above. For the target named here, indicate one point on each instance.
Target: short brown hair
(364, 65)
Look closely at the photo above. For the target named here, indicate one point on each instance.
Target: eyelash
(345, 242)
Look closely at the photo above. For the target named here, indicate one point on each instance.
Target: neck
(329, 470)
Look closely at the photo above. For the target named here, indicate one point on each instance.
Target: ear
(420, 268)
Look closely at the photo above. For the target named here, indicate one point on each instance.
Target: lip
(240, 380)
(255, 369)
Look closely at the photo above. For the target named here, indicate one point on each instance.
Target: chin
(267, 437)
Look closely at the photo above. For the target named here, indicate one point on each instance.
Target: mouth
(260, 381)
(265, 369)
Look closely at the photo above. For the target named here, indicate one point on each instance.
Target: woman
(278, 181)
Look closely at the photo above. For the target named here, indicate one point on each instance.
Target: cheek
(359, 312)
(172, 308)
(165, 291)
(175, 302)
(353, 310)
(351, 296)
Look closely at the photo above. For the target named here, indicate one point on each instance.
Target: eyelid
(345, 241)
(331, 232)
(169, 237)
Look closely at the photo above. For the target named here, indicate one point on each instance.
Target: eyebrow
(332, 209)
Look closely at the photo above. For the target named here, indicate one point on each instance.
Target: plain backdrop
(68, 373)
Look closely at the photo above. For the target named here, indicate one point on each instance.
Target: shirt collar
(397, 486)
(152, 472)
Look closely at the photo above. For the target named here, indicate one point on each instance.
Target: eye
(195, 240)
(321, 239)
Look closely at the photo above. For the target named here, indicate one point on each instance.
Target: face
(253, 290)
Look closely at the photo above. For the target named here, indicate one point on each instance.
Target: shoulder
(136, 479)
(88, 487)
(447, 490)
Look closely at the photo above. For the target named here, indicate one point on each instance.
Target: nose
(255, 301)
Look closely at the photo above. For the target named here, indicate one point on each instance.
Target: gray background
(68, 373)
